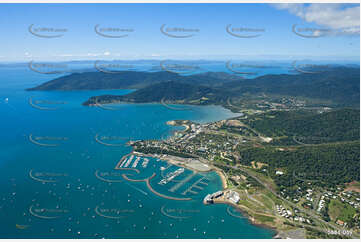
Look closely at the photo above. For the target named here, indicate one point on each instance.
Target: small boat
(19, 226)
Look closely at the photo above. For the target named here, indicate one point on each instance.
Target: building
(209, 198)
(340, 222)
(233, 196)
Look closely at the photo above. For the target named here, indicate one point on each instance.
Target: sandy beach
(223, 178)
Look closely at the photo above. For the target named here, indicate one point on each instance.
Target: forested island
(338, 86)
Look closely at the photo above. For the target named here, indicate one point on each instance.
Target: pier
(165, 196)
(136, 162)
(129, 161)
(122, 161)
(182, 182)
(162, 169)
(170, 176)
(145, 162)
(195, 185)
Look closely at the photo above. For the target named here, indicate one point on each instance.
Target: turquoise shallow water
(52, 190)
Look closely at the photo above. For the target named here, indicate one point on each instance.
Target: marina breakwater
(147, 181)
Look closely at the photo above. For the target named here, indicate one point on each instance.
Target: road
(311, 214)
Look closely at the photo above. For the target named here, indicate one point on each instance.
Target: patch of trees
(309, 127)
(325, 165)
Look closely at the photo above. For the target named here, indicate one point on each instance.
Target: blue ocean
(58, 181)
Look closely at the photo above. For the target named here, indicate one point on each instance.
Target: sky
(334, 31)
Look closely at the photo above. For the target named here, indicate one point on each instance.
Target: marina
(129, 161)
(145, 162)
(136, 162)
(182, 182)
(147, 181)
(121, 164)
(196, 186)
(170, 176)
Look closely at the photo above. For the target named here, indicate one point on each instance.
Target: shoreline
(224, 106)
(168, 158)
(246, 215)
(251, 219)
(223, 178)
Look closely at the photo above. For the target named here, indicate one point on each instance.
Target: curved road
(311, 214)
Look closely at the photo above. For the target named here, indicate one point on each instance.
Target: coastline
(171, 160)
(251, 219)
(223, 178)
(227, 112)
(168, 158)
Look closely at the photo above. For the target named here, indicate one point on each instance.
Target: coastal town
(314, 210)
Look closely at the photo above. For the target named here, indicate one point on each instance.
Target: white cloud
(334, 16)
(294, 8)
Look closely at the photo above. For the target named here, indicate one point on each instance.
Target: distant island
(337, 86)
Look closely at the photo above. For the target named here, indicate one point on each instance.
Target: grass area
(353, 186)
(263, 218)
(266, 201)
(342, 211)
(262, 176)
(248, 204)
(273, 197)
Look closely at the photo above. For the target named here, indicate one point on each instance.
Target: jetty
(145, 162)
(129, 161)
(136, 162)
(122, 161)
(195, 185)
(182, 182)
(170, 176)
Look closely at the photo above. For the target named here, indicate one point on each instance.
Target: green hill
(309, 127)
(328, 164)
(168, 91)
(339, 85)
(130, 80)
